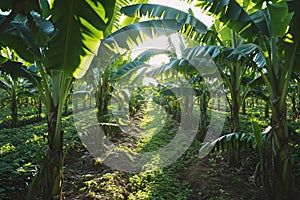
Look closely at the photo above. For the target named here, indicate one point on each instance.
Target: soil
(209, 178)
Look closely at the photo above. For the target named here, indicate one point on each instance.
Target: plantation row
(247, 62)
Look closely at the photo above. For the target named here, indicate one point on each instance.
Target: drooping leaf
(180, 65)
(250, 51)
(192, 24)
(26, 35)
(233, 15)
(257, 94)
(203, 51)
(148, 54)
(292, 39)
(257, 132)
(41, 29)
(16, 69)
(161, 69)
(280, 17)
(18, 37)
(127, 68)
(223, 31)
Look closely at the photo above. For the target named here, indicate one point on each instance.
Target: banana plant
(62, 47)
(232, 65)
(10, 81)
(256, 140)
(274, 26)
(104, 86)
(10, 85)
(262, 145)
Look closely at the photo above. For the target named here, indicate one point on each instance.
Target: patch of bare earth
(212, 178)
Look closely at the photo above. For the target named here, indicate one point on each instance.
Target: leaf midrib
(68, 33)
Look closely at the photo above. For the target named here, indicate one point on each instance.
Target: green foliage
(145, 185)
(26, 115)
(19, 159)
(22, 150)
(157, 185)
(67, 44)
(252, 140)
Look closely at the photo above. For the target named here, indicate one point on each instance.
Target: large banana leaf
(18, 37)
(269, 23)
(80, 25)
(118, 20)
(16, 69)
(245, 141)
(247, 25)
(249, 51)
(139, 62)
(148, 54)
(42, 30)
(131, 36)
(24, 6)
(292, 39)
(232, 14)
(280, 17)
(203, 56)
(26, 35)
(181, 65)
(127, 68)
(193, 26)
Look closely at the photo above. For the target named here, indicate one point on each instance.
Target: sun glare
(162, 42)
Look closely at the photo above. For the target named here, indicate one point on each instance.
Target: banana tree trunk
(48, 184)
(234, 119)
(282, 187)
(244, 107)
(53, 182)
(188, 113)
(234, 152)
(298, 95)
(39, 109)
(102, 99)
(267, 115)
(235, 77)
(14, 109)
(203, 119)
